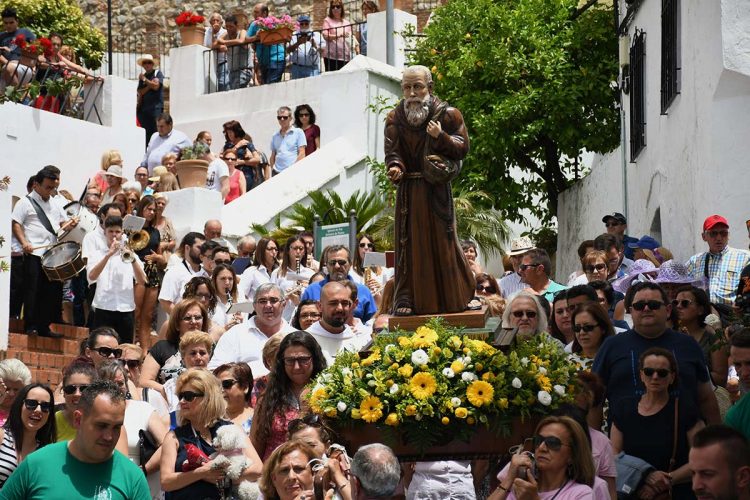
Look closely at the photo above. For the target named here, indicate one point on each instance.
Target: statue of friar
(425, 141)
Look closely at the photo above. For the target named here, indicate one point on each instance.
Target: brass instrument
(126, 253)
(138, 240)
(367, 277)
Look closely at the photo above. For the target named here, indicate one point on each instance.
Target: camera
(525, 472)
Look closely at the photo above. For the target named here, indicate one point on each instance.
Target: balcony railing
(306, 54)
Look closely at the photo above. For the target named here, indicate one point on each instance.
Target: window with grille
(637, 94)
(670, 55)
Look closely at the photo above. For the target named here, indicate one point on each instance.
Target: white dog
(230, 443)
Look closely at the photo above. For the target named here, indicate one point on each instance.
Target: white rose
(346, 372)
(468, 377)
(544, 398)
(466, 360)
(419, 357)
(525, 361)
(516, 383)
(394, 389)
(455, 402)
(542, 370)
(341, 407)
(559, 389)
(448, 373)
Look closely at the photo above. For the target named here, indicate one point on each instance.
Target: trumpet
(127, 254)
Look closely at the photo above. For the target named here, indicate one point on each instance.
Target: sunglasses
(596, 268)
(367, 245)
(613, 224)
(524, 267)
(485, 288)
(339, 262)
(304, 114)
(521, 314)
(31, 405)
(336, 7)
(653, 305)
(72, 388)
(551, 442)
(108, 351)
(230, 159)
(189, 396)
(660, 372)
(282, 117)
(307, 421)
(684, 303)
(131, 363)
(228, 383)
(222, 261)
(302, 360)
(714, 234)
(585, 328)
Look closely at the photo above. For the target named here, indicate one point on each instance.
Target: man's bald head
(212, 229)
(331, 288)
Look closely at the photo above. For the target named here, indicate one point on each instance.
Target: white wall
(695, 159)
(5, 232)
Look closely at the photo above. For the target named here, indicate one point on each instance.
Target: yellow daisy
(422, 385)
(424, 337)
(406, 371)
(316, 398)
(371, 409)
(479, 393)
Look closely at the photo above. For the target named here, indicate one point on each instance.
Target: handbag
(147, 446)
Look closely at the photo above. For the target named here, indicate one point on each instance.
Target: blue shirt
(266, 53)
(287, 147)
(9, 40)
(366, 304)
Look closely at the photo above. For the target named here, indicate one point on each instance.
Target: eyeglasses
(272, 249)
(108, 351)
(309, 316)
(596, 268)
(714, 234)
(131, 363)
(71, 389)
(524, 267)
(521, 314)
(31, 405)
(613, 224)
(282, 117)
(337, 262)
(222, 261)
(193, 319)
(297, 248)
(302, 360)
(585, 328)
(553, 443)
(189, 396)
(204, 296)
(228, 383)
(268, 300)
(684, 303)
(485, 288)
(367, 245)
(653, 305)
(660, 372)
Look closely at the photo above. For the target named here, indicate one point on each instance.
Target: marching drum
(63, 261)
(87, 222)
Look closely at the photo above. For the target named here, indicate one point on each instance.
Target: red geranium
(20, 41)
(187, 18)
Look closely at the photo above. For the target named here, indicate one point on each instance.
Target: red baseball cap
(712, 220)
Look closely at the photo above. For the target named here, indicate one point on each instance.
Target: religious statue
(425, 141)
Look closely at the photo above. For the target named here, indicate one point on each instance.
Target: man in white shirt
(114, 274)
(217, 178)
(244, 342)
(513, 283)
(36, 222)
(165, 140)
(179, 274)
(332, 332)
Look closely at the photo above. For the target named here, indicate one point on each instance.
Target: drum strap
(42, 216)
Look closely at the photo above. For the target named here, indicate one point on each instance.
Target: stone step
(42, 360)
(70, 332)
(28, 343)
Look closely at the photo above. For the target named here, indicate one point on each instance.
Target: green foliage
(533, 80)
(65, 17)
(20, 94)
(195, 152)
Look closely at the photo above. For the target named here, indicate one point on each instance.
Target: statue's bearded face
(417, 98)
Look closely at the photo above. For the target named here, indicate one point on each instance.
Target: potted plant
(275, 30)
(191, 28)
(438, 394)
(192, 169)
(30, 51)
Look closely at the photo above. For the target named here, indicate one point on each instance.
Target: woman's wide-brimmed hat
(640, 267)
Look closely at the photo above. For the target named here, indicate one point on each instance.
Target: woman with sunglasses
(304, 119)
(561, 467)
(202, 410)
(693, 305)
(28, 428)
(644, 426)
(595, 266)
(264, 263)
(377, 275)
(488, 293)
(591, 326)
(77, 376)
(298, 361)
(237, 181)
(237, 387)
(139, 416)
(163, 361)
(337, 31)
(292, 276)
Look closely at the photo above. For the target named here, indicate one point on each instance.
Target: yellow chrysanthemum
(410, 410)
(317, 396)
(461, 412)
(479, 393)
(455, 341)
(422, 385)
(330, 412)
(375, 356)
(406, 371)
(424, 337)
(391, 419)
(404, 342)
(371, 409)
(457, 366)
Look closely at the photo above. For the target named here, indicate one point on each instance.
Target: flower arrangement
(188, 18)
(37, 47)
(435, 384)
(272, 23)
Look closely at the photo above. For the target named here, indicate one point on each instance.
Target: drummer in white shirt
(332, 332)
(42, 303)
(178, 275)
(114, 271)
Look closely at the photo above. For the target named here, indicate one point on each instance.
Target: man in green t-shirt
(87, 466)
(738, 415)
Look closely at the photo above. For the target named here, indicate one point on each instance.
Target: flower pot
(191, 173)
(192, 35)
(275, 36)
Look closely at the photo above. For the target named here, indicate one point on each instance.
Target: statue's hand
(434, 128)
(395, 174)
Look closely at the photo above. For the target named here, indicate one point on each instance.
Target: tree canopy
(533, 79)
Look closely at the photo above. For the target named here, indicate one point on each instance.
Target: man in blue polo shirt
(338, 265)
(288, 144)
(271, 58)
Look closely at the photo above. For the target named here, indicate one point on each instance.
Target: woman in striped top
(28, 428)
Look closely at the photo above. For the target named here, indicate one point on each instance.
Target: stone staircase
(45, 357)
